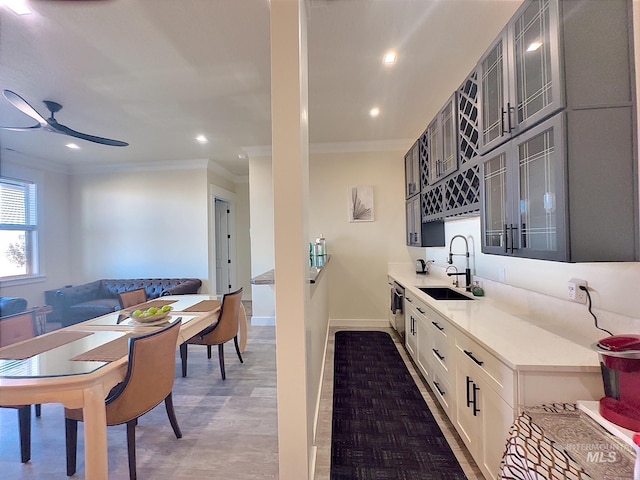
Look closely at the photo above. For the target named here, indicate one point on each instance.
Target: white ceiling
(155, 73)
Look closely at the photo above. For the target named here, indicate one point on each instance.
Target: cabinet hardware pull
(420, 310)
(509, 110)
(476, 410)
(523, 236)
(469, 382)
(440, 391)
(470, 355)
(409, 299)
(438, 354)
(438, 326)
(502, 122)
(506, 238)
(512, 227)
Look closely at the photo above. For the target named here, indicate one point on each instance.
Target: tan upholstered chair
(13, 329)
(148, 382)
(134, 297)
(225, 329)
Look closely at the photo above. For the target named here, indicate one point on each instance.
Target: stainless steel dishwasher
(396, 307)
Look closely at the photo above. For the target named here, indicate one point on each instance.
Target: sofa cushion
(83, 302)
(94, 308)
(154, 287)
(12, 305)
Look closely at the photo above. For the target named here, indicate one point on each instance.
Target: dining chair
(16, 328)
(148, 382)
(225, 329)
(133, 297)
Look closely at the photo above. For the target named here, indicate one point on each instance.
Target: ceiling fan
(51, 124)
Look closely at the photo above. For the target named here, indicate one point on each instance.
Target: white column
(290, 166)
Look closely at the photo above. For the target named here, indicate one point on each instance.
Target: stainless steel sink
(444, 293)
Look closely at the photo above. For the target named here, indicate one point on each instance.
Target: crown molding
(21, 160)
(341, 147)
(140, 166)
(365, 146)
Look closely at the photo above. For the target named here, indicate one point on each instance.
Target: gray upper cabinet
(523, 193)
(412, 171)
(442, 136)
(520, 75)
(564, 188)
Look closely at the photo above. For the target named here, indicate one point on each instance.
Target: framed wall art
(361, 204)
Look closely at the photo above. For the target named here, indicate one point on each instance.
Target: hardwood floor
(229, 427)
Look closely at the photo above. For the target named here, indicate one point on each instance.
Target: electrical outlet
(576, 294)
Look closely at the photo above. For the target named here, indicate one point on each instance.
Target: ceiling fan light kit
(51, 124)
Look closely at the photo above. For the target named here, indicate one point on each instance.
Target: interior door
(223, 254)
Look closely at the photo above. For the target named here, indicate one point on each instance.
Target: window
(18, 229)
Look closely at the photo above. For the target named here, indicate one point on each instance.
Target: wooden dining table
(78, 365)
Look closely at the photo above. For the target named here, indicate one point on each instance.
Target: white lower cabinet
(410, 331)
(482, 417)
(466, 380)
(477, 390)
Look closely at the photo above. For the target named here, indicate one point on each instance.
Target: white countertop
(518, 343)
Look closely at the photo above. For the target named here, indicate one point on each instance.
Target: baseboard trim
(263, 321)
(359, 322)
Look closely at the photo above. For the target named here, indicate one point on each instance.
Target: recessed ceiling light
(17, 6)
(242, 156)
(374, 112)
(72, 146)
(390, 57)
(202, 139)
(534, 46)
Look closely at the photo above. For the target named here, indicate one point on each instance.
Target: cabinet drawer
(499, 376)
(441, 353)
(443, 392)
(415, 303)
(438, 327)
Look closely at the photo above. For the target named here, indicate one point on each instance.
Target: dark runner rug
(382, 428)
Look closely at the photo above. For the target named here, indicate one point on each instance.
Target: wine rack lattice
(468, 119)
(432, 203)
(424, 160)
(462, 191)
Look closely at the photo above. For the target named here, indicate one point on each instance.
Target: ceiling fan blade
(21, 129)
(22, 105)
(91, 138)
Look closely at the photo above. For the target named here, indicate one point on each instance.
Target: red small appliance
(620, 365)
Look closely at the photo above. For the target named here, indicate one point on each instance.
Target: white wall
(261, 232)
(359, 252)
(53, 199)
(139, 224)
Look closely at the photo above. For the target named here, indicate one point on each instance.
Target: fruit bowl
(142, 318)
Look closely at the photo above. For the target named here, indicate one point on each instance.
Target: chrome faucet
(455, 281)
(467, 271)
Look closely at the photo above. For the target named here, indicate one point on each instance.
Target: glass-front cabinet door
(442, 135)
(412, 171)
(496, 216)
(414, 222)
(449, 125)
(494, 95)
(520, 76)
(541, 214)
(536, 64)
(523, 194)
